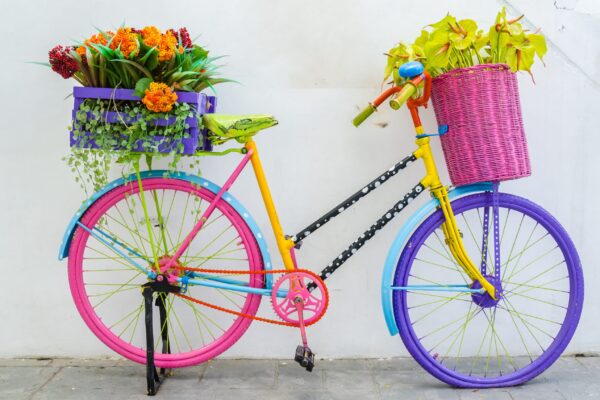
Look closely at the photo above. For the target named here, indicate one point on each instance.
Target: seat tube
(284, 245)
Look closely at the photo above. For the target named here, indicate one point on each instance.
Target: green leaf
(134, 64)
(141, 86)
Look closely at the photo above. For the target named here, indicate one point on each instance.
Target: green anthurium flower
(422, 40)
(463, 34)
(539, 44)
(444, 24)
(438, 48)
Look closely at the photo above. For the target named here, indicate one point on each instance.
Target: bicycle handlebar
(403, 93)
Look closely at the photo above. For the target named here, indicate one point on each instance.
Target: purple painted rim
(571, 318)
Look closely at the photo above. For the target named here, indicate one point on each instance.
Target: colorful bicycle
(485, 288)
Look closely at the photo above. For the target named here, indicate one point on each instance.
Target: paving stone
(236, 374)
(21, 382)
(570, 378)
(90, 383)
(83, 362)
(484, 394)
(290, 376)
(25, 362)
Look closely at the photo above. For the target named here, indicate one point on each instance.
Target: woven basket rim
(474, 68)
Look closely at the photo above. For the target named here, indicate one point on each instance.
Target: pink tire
(104, 285)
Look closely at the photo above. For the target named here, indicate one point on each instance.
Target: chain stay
(243, 272)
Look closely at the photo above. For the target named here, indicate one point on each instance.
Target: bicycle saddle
(239, 127)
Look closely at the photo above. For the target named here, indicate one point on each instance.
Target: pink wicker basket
(485, 139)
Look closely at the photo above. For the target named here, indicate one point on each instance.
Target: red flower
(62, 62)
(183, 37)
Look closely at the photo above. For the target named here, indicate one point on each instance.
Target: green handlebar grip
(364, 114)
(407, 91)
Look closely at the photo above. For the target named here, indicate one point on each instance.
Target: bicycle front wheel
(466, 340)
(106, 286)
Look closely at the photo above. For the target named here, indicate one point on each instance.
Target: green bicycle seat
(224, 127)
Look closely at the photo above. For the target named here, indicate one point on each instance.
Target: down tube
(398, 244)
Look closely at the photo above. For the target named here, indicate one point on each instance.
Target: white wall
(311, 63)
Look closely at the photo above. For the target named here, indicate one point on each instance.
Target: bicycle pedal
(305, 357)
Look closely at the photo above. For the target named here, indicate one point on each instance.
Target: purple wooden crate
(197, 139)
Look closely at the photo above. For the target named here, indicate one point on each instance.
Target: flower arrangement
(154, 65)
(450, 44)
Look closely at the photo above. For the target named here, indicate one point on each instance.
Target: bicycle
(476, 304)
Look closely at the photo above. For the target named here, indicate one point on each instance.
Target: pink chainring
(295, 283)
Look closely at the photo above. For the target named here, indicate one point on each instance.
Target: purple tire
(495, 343)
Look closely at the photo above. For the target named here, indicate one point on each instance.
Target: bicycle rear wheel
(467, 341)
(106, 287)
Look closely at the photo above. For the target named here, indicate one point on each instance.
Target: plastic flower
(62, 62)
(159, 97)
(165, 43)
(126, 41)
(183, 37)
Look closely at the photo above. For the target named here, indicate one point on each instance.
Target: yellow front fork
(449, 227)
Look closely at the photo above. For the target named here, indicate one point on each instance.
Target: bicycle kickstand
(304, 355)
(153, 379)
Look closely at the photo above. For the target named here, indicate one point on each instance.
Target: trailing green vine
(101, 142)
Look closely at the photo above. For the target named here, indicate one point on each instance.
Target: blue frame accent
(260, 239)
(398, 244)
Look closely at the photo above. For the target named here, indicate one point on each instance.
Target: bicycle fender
(262, 244)
(400, 240)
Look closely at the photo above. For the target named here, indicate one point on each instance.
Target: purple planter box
(197, 139)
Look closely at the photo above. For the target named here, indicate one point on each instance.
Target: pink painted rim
(226, 340)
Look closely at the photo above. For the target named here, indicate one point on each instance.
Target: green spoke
(132, 233)
(523, 314)
(512, 248)
(461, 329)
(182, 329)
(540, 287)
(135, 235)
(217, 237)
(442, 327)
(113, 251)
(132, 287)
(435, 309)
(535, 299)
(451, 257)
(477, 245)
(196, 319)
(435, 264)
(183, 217)
(136, 322)
(480, 347)
(520, 254)
(518, 331)
(118, 258)
(133, 216)
(120, 286)
(551, 268)
(202, 318)
(516, 272)
(133, 313)
(220, 252)
(509, 306)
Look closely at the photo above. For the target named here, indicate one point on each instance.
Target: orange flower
(126, 41)
(159, 97)
(165, 43)
(98, 38)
